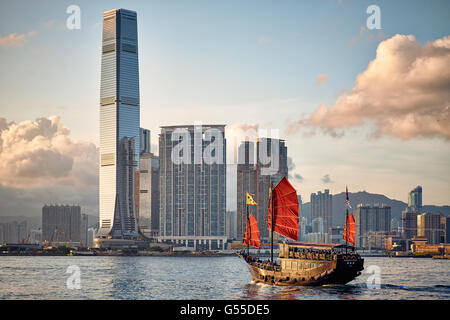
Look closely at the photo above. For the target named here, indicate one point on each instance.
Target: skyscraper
(269, 172)
(84, 225)
(415, 199)
(432, 227)
(119, 124)
(193, 189)
(148, 214)
(409, 224)
(371, 218)
(255, 176)
(321, 208)
(61, 223)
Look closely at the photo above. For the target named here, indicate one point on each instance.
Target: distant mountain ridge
(397, 206)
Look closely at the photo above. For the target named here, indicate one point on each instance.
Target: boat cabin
(313, 251)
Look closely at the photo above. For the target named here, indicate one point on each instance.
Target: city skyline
(317, 161)
(224, 154)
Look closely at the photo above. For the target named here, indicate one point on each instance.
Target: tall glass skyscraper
(415, 199)
(119, 124)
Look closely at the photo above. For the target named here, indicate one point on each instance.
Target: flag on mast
(250, 200)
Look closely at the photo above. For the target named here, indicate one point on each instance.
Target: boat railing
(313, 255)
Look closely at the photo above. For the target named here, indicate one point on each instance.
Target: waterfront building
(409, 224)
(119, 125)
(430, 226)
(301, 219)
(336, 235)
(321, 211)
(84, 224)
(61, 223)
(395, 225)
(144, 138)
(230, 229)
(377, 239)
(148, 214)
(302, 228)
(370, 218)
(317, 237)
(271, 166)
(13, 232)
(35, 236)
(395, 243)
(193, 185)
(255, 174)
(446, 223)
(421, 247)
(155, 195)
(91, 236)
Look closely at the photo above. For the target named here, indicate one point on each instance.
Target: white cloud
(41, 153)
(40, 163)
(321, 78)
(264, 40)
(14, 39)
(404, 93)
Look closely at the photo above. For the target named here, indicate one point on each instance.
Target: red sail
(253, 233)
(285, 210)
(350, 230)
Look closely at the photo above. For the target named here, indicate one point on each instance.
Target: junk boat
(300, 263)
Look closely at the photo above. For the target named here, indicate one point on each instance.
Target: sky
(358, 107)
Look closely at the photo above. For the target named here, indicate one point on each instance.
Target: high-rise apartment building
(300, 216)
(255, 174)
(84, 224)
(321, 209)
(119, 125)
(446, 223)
(144, 138)
(230, 229)
(371, 218)
(61, 223)
(13, 232)
(271, 166)
(432, 227)
(409, 224)
(90, 237)
(148, 214)
(193, 185)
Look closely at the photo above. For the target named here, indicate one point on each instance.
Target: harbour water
(223, 278)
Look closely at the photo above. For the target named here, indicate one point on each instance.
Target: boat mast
(346, 219)
(248, 232)
(346, 230)
(271, 220)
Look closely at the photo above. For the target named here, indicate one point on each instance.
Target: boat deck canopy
(316, 245)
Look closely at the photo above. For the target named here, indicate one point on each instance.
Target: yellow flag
(250, 200)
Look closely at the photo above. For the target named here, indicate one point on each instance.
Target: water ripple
(205, 278)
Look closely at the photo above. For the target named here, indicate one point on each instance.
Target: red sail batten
(285, 210)
(253, 232)
(349, 230)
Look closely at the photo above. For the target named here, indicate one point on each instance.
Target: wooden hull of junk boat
(339, 271)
